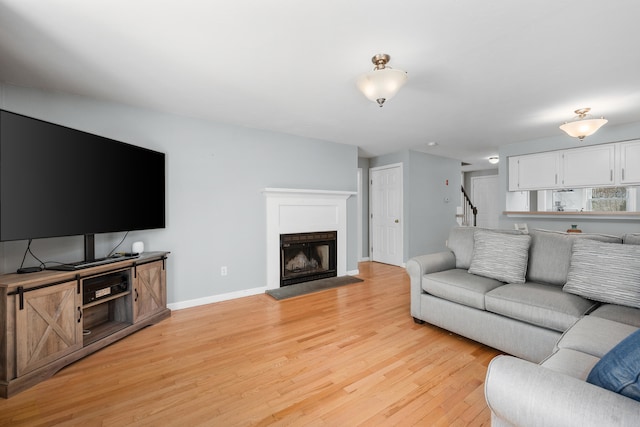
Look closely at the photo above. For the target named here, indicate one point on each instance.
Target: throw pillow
(500, 256)
(550, 254)
(619, 369)
(606, 272)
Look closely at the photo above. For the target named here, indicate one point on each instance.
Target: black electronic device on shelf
(101, 287)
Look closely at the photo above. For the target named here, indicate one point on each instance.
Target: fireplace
(304, 211)
(307, 256)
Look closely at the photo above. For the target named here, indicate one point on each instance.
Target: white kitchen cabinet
(588, 166)
(630, 163)
(534, 171)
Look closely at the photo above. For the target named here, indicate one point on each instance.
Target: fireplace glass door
(307, 256)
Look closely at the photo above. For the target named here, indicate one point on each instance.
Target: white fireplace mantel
(292, 210)
(296, 192)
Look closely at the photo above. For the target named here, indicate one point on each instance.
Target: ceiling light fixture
(583, 124)
(383, 82)
(494, 160)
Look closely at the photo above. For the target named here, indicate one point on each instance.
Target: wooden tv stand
(45, 326)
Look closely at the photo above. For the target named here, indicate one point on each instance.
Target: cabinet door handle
(623, 174)
(611, 175)
(136, 298)
(79, 314)
(21, 297)
(556, 178)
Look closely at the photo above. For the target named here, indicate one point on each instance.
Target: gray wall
(215, 177)
(431, 216)
(427, 216)
(607, 134)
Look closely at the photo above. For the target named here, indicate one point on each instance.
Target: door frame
(359, 221)
(377, 168)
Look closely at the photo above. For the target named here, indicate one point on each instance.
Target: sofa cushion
(594, 335)
(618, 313)
(550, 254)
(571, 362)
(500, 256)
(631, 239)
(461, 244)
(542, 305)
(619, 369)
(459, 286)
(607, 272)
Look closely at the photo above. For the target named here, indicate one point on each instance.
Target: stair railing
(469, 209)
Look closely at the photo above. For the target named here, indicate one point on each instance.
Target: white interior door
(386, 214)
(484, 196)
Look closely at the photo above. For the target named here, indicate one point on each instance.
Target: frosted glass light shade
(381, 85)
(581, 128)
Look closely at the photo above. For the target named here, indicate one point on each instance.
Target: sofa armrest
(431, 263)
(421, 265)
(521, 393)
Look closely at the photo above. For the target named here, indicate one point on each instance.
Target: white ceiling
(481, 74)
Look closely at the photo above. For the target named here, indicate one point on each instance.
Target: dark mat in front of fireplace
(313, 286)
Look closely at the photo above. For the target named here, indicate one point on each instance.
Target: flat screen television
(56, 181)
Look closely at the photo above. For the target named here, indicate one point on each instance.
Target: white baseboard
(216, 298)
(364, 259)
(353, 272)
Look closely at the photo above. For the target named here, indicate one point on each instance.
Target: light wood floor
(342, 357)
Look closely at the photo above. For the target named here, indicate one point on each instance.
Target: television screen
(56, 181)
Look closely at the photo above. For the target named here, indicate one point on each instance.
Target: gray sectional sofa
(556, 301)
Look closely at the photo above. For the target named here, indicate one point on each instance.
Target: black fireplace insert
(307, 256)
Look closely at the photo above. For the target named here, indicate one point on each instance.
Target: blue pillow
(619, 369)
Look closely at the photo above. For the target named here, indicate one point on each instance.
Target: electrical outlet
(223, 270)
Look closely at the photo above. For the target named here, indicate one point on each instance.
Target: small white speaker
(137, 247)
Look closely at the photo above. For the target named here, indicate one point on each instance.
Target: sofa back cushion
(631, 239)
(500, 256)
(461, 243)
(606, 272)
(550, 254)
